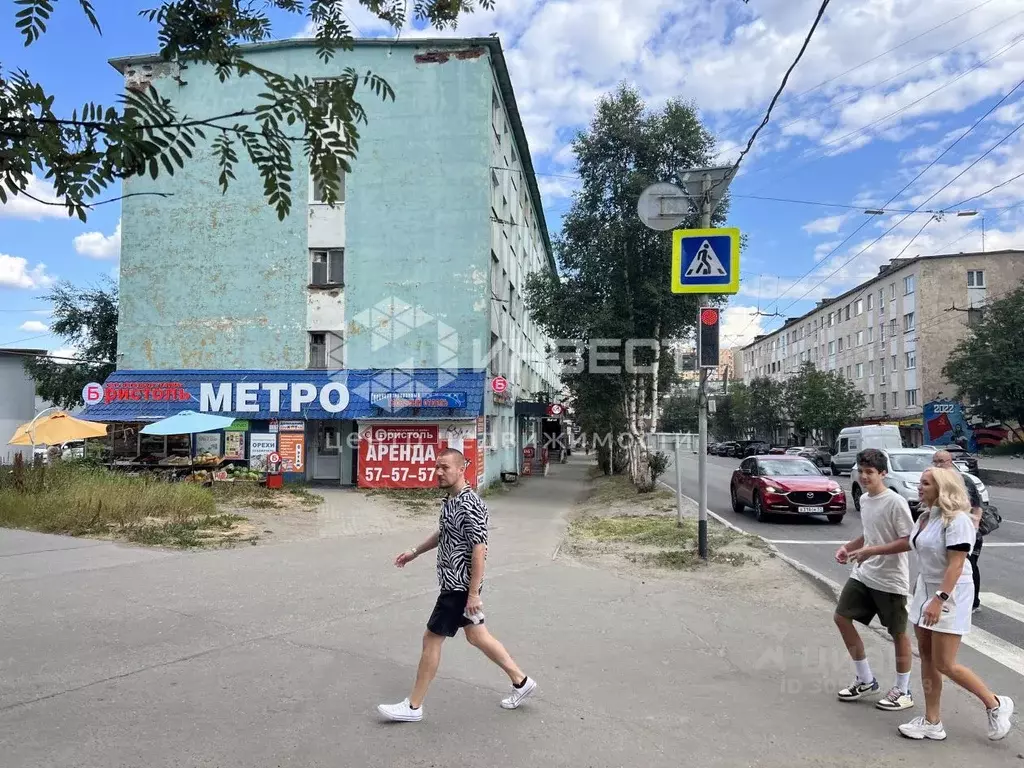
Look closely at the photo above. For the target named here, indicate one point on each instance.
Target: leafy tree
(767, 403)
(614, 271)
(731, 419)
(987, 367)
(821, 400)
(679, 414)
(87, 319)
(94, 147)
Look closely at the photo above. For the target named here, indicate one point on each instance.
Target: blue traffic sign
(706, 260)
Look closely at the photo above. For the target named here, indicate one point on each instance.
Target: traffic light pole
(702, 413)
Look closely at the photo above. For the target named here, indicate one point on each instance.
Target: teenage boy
(880, 582)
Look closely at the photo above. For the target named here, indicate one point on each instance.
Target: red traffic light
(709, 316)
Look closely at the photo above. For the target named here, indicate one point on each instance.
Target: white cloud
(740, 324)
(825, 225)
(96, 245)
(22, 207)
(16, 273)
(34, 326)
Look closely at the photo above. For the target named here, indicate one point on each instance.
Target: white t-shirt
(931, 543)
(885, 517)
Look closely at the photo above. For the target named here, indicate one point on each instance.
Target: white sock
(903, 681)
(863, 671)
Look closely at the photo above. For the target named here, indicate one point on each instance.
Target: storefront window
(327, 440)
(178, 445)
(152, 445)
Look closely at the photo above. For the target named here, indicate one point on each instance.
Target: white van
(854, 439)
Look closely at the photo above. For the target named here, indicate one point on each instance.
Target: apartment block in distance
(891, 336)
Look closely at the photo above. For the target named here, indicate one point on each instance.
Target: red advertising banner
(405, 456)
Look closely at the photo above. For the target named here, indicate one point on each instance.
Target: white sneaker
(517, 696)
(919, 728)
(895, 700)
(401, 712)
(999, 718)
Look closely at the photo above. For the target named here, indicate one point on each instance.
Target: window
(318, 350)
(892, 327)
(910, 397)
(319, 193)
(881, 333)
(894, 366)
(975, 278)
(831, 319)
(881, 369)
(908, 285)
(871, 333)
(847, 311)
(911, 360)
(844, 444)
(871, 301)
(328, 267)
(974, 316)
(860, 370)
(831, 347)
(908, 322)
(849, 372)
(840, 343)
(872, 399)
(858, 307)
(871, 367)
(892, 291)
(895, 400)
(881, 301)
(860, 338)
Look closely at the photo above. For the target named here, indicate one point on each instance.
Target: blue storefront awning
(145, 396)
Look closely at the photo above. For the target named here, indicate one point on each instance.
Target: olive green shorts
(859, 602)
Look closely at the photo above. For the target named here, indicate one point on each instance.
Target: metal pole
(702, 410)
(679, 480)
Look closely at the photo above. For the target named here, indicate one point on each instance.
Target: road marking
(1004, 605)
(995, 648)
(1003, 544)
(811, 541)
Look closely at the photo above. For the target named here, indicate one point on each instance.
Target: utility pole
(702, 403)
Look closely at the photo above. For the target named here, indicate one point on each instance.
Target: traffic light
(707, 337)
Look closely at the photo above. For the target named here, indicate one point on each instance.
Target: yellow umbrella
(55, 429)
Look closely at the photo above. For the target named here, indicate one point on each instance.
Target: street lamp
(975, 213)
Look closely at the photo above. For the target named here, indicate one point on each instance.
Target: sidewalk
(278, 656)
(1002, 470)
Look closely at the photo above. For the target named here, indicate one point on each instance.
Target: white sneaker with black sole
(518, 695)
(401, 712)
(895, 700)
(999, 723)
(858, 690)
(919, 728)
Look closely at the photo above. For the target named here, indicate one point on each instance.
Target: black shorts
(859, 602)
(449, 615)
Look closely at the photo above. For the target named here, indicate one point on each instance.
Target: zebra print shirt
(463, 525)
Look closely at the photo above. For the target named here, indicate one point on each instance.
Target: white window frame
(908, 324)
(908, 285)
(910, 360)
(333, 281)
(975, 278)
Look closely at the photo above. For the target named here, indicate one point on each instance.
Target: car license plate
(812, 510)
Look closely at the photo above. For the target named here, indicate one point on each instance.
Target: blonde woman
(941, 606)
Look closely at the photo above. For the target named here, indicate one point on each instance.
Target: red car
(785, 485)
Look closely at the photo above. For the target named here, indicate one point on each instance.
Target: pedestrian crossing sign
(706, 260)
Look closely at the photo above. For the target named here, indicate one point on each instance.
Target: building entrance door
(327, 451)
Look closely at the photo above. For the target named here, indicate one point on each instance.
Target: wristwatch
(943, 596)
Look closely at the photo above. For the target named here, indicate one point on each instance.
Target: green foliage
(767, 402)
(679, 414)
(658, 462)
(819, 400)
(96, 146)
(987, 367)
(731, 419)
(86, 318)
(614, 271)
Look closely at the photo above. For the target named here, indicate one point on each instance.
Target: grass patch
(80, 500)
(417, 501)
(618, 489)
(256, 496)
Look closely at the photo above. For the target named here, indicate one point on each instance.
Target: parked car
(729, 449)
(904, 476)
(785, 485)
(756, 448)
(852, 440)
(818, 454)
(712, 449)
(778, 450)
(960, 456)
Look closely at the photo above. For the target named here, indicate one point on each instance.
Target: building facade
(891, 336)
(370, 331)
(18, 401)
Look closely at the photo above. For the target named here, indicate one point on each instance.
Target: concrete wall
(17, 403)
(211, 280)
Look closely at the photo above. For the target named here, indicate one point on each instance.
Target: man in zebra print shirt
(461, 543)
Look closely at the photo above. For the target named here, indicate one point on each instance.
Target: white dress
(930, 544)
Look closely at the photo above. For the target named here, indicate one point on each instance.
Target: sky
(896, 105)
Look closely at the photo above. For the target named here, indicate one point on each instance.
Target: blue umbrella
(187, 423)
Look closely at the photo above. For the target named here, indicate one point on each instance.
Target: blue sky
(884, 88)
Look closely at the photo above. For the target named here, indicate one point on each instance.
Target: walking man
(461, 543)
(880, 582)
(944, 460)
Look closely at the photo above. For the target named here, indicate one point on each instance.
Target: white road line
(1004, 605)
(811, 541)
(1003, 544)
(995, 648)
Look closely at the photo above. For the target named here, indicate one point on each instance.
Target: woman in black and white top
(941, 606)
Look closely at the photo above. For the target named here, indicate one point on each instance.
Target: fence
(666, 442)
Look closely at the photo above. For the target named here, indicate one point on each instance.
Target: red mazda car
(785, 485)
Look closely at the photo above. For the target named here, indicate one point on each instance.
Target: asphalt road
(997, 645)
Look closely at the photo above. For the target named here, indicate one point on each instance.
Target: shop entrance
(333, 453)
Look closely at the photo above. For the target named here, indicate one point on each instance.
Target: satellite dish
(663, 206)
